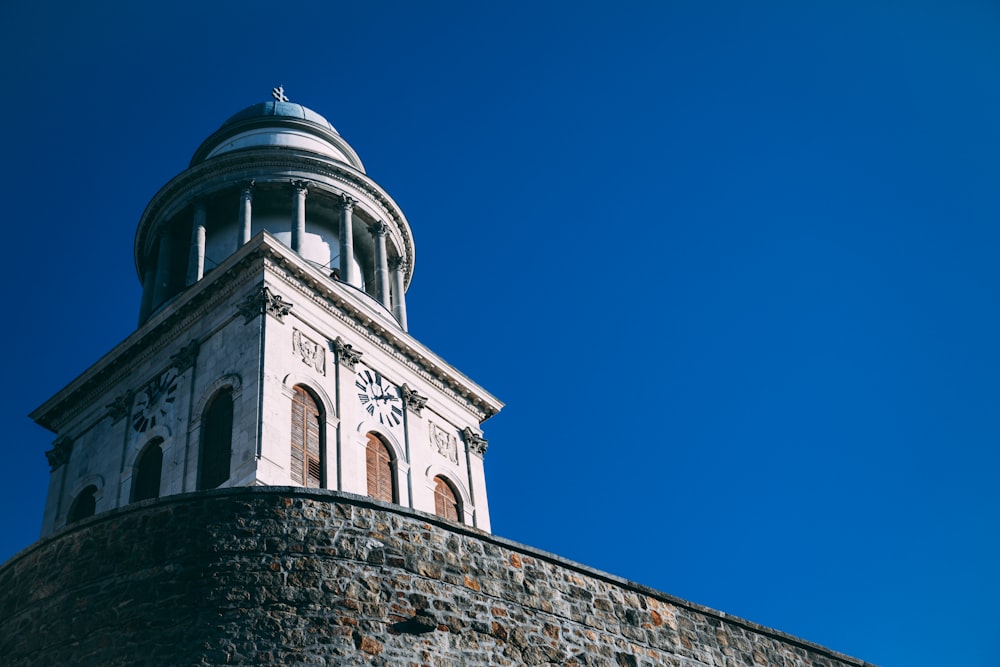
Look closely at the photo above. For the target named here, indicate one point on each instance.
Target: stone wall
(279, 576)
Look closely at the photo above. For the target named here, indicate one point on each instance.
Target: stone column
(246, 205)
(148, 286)
(348, 271)
(163, 256)
(299, 215)
(196, 256)
(398, 267)
(378, 231)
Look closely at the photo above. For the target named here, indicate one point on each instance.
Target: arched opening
(380, 470)
(146, 480)
(307, 450)
(84, 505)
(216, 441)
(446, 502)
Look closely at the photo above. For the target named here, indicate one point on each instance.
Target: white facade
(254, 318)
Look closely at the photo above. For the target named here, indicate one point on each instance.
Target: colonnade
(389, 274)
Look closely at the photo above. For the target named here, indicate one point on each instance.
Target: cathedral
(272, 470)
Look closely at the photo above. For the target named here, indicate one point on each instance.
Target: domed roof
(282, 109)
(278, 123)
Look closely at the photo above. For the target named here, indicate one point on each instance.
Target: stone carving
(265, 301)
(59, 454)
(477, 444)
(412, 400)
(311, 352)
(301, 186)
(346, 353)
(347, 202)
(279, 94)
(397, 263)
(446, 443)
(118, 408)
(378, 228)
(185, 359)
(246, 189)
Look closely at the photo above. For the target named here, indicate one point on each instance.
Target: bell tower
(272, 346)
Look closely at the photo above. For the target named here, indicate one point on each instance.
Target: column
(348, 270)
(378, 231)
(398, 268)
(148, 285)
(246, 204)
(299, 215)
(196, 256)
(163, 256)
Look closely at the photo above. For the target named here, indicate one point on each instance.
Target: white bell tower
(272, 346)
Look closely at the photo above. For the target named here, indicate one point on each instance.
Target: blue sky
(731, 266)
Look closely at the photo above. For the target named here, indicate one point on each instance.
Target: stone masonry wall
(281, 576)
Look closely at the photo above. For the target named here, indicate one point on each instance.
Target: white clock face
(379, 397)
(154, 402)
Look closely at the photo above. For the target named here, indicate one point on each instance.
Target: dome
(282, 125)
(282, 109)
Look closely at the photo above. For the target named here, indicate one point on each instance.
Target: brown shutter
(306, 466)
(445, 502)
(379, 468)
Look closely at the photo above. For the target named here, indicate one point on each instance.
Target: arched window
(446, 501)
(146, 481)
(380, 477)
(216, 441)
(307, 468)
(83, 506)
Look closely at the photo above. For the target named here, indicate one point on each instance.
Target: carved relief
(346, 353)
(446, 443)
(265, 301)
(311, 352)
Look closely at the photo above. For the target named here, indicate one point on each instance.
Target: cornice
(164, 329)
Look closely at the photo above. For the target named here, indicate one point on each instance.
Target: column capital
(346, 352)
(413, 400)
(347, 202)
(477, 444)
(246, 188)
(398, 264)
(378, 228)
(301, 187)
(59, 454)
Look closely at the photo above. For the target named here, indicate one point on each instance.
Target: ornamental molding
(309, 351)
(264, 301)
(412, 400)
(59, 454)
(389, 339)
(346, 353)
(476, 443)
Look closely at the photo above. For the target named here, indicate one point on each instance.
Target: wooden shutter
(306, 462)
(445, 502)
(379, 470)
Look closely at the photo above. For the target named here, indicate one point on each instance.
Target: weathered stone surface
(255, 576)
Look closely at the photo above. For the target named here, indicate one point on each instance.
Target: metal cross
(279, 94)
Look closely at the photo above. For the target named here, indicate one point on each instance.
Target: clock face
(155, 402)
(379, 397)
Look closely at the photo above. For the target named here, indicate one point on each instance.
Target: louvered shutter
(306, 460)
(379, 468)
(445, 502)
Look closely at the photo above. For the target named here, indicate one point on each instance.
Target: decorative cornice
(412, 400)
(185, 359)
(346, 354)
(59, 454)
(264, 301)
(477, 444)
(118, 408)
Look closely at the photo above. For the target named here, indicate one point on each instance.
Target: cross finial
(279, 94)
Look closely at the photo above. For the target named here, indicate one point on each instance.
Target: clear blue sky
(731, 265)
